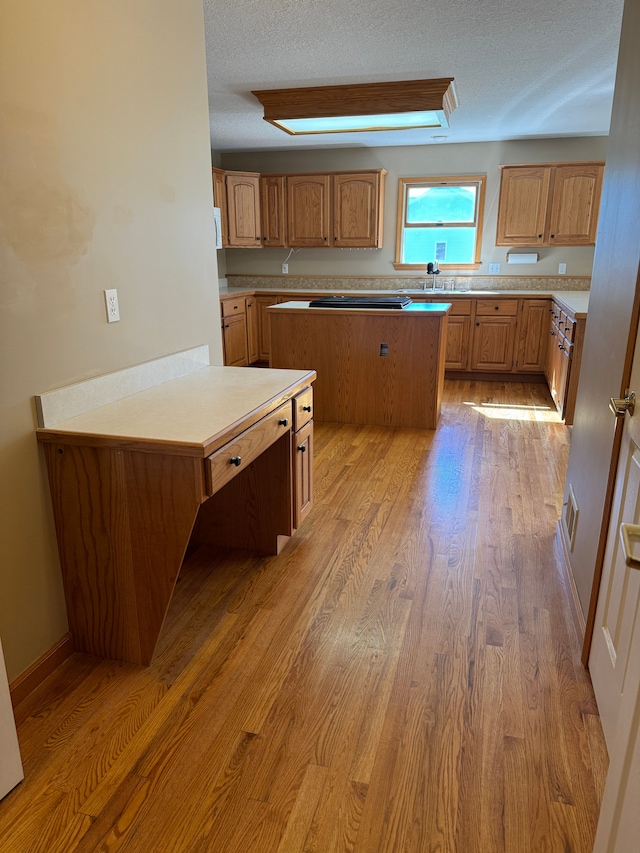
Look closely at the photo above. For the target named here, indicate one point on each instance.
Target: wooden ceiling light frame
(360, 99)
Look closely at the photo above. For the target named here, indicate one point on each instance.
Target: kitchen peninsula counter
(374, 366)
(203, 459)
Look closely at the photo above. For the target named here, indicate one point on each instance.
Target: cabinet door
(220, 200)
(234, 339)
(493, 341)
(560, 365)
(273, 207)
(533, 335)
(357, 210)
(523, 204)
(308, 220)
(264, 339)
(243, 209)
(575, 204)
(253, 352)
(458, 335)
(303, 473)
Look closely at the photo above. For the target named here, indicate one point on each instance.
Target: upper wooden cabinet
(243, 209)
(237, 194)
(273, 207)
(549, 204)
(358, 208)
(308, 211)
(328, 209)
(301, 211)
(220, 200)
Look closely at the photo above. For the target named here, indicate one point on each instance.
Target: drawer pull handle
(235, 460)
(302, 448)
(306, 408)
(284, 422)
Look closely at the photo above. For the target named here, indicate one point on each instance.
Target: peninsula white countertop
(192, 415)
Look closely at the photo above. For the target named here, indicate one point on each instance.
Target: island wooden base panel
(404, 676)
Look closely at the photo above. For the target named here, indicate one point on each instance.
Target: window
(440, 219)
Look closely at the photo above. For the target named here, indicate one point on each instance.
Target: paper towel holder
(522, 258)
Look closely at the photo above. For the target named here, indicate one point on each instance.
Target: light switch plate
(562, 269)
(494, 269)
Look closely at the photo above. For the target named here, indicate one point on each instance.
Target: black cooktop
(360, 302)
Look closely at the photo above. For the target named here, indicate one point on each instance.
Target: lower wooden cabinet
(533, 336)
(264, 346)
(458, 335)
(302, 449)
(303, 473)
(493, 343)
(234, 340)
(253, 353)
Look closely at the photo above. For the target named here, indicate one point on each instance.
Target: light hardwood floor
(405, 676)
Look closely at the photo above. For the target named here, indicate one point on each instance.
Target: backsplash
(466, 283)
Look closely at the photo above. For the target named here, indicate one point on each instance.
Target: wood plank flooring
(405, 676)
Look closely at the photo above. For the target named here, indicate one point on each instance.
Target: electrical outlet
(285, 269)
(113, 309)
(494, 269)
(562, 269)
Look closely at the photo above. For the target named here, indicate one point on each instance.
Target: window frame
(437, 181)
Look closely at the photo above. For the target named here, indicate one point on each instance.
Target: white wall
(413, 161)
(105, 182)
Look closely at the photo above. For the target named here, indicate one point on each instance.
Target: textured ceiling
(523, 69)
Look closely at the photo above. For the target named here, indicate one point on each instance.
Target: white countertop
(196, 413)
(576, 301)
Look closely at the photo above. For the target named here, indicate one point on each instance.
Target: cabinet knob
(539, 236)
(496, 307)
(235, 460)
(560, 347)
(302, 448)
(306, 408)
(284, 422)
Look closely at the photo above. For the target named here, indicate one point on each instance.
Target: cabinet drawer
(567, 326)
(230, 307)
(302, 408)
(225, 463)
(497, 307)
(460, 307)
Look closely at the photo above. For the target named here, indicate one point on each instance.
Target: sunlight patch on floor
(506, 411)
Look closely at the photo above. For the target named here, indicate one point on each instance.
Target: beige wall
(104, 182)
(447, 159)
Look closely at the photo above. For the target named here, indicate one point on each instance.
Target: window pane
(441, 204)
(422, 245)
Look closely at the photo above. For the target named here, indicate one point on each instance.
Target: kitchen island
(374, 366)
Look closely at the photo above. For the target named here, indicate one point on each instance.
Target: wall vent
(570, 518)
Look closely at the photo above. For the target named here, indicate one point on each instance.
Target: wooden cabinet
(243, 209)
(494, 335)
(564, 354)
(253, 352)
(234, 331)
(358, 207)
(308, 211)
(334, 209)
(237, 194)
(220, 200)
(458, 335)
(273, 209)
(302, 449)
(533, 335)
(549, 204)
(264, 347)
(575, 204)
(317, 210)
